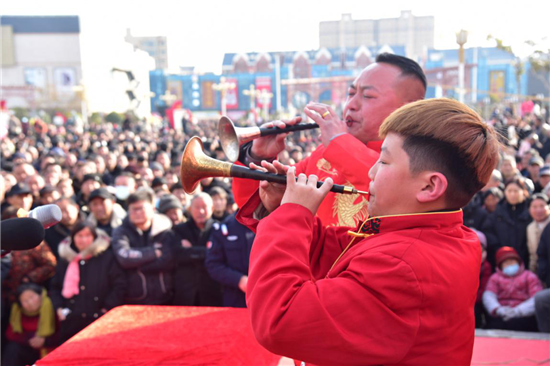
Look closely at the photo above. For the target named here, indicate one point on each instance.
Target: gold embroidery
(325, 166)
(349, 213)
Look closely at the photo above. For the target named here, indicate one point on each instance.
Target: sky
(200, 32)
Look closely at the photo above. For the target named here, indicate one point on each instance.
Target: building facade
(289, 80)
(156, 47)
(415, 33)
(41, 62)
(490, 73)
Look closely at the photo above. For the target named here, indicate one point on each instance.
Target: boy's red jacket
(402, 294)
(336, 162)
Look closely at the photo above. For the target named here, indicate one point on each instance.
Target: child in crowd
(398, 289)
(509, 296)
(32, 328)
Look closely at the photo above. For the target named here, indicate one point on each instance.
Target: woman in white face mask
(125, 185)
(509, 295)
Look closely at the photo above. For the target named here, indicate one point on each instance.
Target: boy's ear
(435, 186)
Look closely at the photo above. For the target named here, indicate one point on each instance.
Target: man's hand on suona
(304, 191)
(271, 194)
(268, 147)
(328, 121)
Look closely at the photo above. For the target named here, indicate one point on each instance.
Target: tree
(114, 117)
(538, 59)
(519, 67)
(540, 62)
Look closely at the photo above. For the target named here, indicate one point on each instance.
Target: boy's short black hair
(407, 66)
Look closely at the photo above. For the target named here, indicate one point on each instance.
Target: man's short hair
(493, 191)
(408, 67)
(446, 136)
(539, 196)
(203, 196)
(218, 191)
(68, 200)
(126, 174)
(142, 194)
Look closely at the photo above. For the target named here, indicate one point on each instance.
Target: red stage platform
(164, 335)
(169, 335)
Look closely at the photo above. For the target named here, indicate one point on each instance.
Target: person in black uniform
(227, 261)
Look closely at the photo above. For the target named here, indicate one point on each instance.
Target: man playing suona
(400, 288)
(349, 146)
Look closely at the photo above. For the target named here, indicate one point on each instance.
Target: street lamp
(252, 93)
(265, 98)
(168, 98)
(81, 91)
(461, 39)
(223, 86)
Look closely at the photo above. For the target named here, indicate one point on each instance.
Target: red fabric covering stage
(169, 335)
(164, 335)
(498, 350)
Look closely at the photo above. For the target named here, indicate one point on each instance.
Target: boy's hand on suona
(304, 191)
(271, 194)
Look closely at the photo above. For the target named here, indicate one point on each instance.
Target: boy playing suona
(399, 289)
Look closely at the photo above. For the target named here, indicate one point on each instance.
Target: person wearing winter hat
(159, 184)
(105, 213)
(491, 198)
(171, 206)
(158, 170)
(20, 196)
(509, 296)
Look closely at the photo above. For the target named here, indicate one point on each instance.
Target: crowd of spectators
(129, 233)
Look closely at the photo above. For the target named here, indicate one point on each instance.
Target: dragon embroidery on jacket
(349, 213)
(325, 166)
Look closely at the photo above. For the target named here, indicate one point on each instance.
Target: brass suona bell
(196, 165)
(232, 137)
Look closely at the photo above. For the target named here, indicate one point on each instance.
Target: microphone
(48, 215)
(21, 234)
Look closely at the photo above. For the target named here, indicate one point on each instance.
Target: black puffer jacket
(101, 287)
(507, 226)
(150, 279)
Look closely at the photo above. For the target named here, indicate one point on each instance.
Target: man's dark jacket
(194, 286)
(150, 279)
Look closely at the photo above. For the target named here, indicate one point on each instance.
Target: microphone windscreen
(21, 233)
(48, 215)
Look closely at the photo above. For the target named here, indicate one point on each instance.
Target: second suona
(232, 137)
